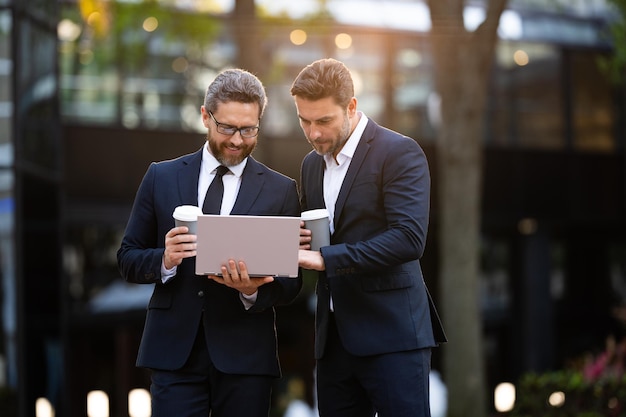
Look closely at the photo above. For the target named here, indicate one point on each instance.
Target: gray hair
(235, 85)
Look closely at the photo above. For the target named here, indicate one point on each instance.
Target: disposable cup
(187, 215)
(317, 221)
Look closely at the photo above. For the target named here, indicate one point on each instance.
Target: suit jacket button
(200, 293)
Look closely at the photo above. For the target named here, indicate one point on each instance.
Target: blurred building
(82, 115)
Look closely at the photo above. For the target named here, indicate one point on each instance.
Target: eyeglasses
(245, 132)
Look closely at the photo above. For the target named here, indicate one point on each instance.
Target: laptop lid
(267, 244)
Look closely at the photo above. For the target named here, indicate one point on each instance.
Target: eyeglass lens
(246, 131)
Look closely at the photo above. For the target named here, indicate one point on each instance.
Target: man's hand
(311, 259)
(305, 237)
(239, 278)
(178, 246)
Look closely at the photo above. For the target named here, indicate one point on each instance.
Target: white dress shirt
(336, 170)
(231, 180)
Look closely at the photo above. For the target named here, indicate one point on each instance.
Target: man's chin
(322, 152)
(229, 162)
(232, 160)
(319, 150)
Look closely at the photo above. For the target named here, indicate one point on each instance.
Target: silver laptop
(267, 244)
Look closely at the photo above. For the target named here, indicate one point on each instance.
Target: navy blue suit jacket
(240, 341)
(380, 300)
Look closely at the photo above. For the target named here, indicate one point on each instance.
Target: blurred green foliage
(572, 396)
(114, 31)
(594, 388)
(615, 64)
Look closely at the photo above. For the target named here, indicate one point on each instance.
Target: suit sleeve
(141, 252)
(397, 185)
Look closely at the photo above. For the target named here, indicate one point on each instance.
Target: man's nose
(314, 133)
(236, 139)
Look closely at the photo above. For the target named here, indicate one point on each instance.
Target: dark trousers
(198, 389)
(392, 384)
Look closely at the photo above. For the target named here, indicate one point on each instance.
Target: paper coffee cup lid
(187, 213)
(314, 214)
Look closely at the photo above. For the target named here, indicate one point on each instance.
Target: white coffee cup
(187, 215)
(318, 222)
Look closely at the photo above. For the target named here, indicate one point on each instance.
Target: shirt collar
(210, 163)
(347, 152)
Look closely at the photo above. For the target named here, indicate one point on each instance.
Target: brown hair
(324, 78)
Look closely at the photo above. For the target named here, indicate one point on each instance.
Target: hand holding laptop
(235, 275)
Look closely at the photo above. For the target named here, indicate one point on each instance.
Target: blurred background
(92, 91)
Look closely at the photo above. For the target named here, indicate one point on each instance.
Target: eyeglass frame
(229, 130)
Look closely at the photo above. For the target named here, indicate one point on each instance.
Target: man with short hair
(375, 322)
(210, 342)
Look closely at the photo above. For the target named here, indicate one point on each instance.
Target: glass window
(495, 294)
(140, 70)
(617, 271)
(6, 99)
(37, 104)
(90, 263)
(43, 9)
(526, 106)
(8, 292)
(412, 86)
(591, 104)
(365, 59)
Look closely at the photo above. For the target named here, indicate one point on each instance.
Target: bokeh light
(297, 37)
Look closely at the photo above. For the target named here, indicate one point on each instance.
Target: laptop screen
(267, 244)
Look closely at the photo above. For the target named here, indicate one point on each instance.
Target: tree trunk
(462, 62)
(247, 36)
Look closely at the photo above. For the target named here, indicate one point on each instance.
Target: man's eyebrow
(321, 119)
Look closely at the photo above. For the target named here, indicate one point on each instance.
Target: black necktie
(213, 199)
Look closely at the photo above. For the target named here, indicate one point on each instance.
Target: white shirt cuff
(248, 300)
(167, 274)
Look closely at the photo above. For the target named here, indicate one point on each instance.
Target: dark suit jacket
(381, 303)
(241, 342)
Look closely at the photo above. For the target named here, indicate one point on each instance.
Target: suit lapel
(315, 199)
(357, 160)
(188, 176)
(252, 181)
